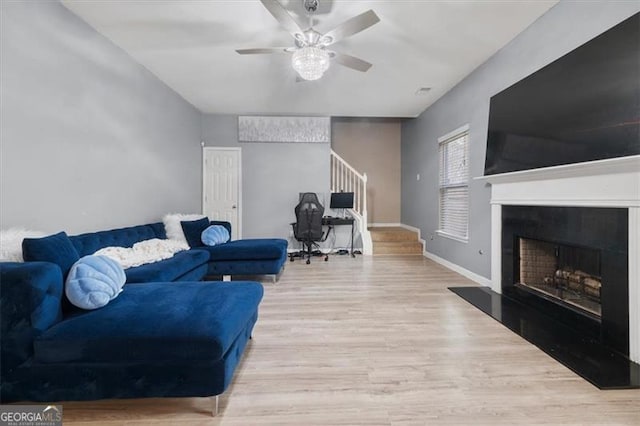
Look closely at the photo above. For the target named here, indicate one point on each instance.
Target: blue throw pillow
(215, 234)
(193, 229)
(94, 281)
(55, 248)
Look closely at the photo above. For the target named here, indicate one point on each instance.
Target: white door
(221, 187)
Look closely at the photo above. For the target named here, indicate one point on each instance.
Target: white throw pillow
(172, 225)
(11, 243)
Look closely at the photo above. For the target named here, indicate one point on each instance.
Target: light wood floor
(380, 341)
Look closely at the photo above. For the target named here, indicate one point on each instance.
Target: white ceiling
(190, 45)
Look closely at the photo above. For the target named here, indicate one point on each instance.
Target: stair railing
(345, 178)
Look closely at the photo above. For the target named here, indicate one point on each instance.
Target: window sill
(452, 237)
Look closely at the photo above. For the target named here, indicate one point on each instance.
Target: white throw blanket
(11, 243)
(143, 252)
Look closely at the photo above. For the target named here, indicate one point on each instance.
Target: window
(454, 184)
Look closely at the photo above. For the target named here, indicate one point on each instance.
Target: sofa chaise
(165, 339)
(258, 256)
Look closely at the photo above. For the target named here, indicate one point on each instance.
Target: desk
(337, 221)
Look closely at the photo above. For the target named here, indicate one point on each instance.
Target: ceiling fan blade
(263, 50)
(351, 62)
(284, 18)
(350, 27)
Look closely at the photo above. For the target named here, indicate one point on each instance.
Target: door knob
(233, 206)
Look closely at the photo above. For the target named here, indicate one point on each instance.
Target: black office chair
(308, 226)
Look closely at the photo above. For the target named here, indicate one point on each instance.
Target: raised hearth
(597, 363)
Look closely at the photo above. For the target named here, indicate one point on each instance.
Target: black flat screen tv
(584, 106)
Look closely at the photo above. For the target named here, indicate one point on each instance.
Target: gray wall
(273, 174)
(562, 29)
(89, 138)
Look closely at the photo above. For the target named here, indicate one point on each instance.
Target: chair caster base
(308, 261)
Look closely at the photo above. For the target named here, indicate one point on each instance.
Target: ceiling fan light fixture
(310, 62)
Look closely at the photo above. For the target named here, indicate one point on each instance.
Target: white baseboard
(419, 231)
(456, 268)
(459, 269)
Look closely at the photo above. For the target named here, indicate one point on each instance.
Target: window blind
(454, 185)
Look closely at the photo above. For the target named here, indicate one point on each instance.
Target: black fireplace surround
(602, 229)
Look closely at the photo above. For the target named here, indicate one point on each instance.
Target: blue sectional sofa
(167, 334)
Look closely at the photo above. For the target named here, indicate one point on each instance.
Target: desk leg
(352, 255)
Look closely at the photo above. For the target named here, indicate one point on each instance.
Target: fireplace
(571, 228)
(565, 274)
(593, 206)
(571, 263)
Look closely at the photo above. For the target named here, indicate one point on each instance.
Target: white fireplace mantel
(603, 183)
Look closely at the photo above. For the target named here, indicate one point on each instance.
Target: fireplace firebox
(572, 264)
(562, 273)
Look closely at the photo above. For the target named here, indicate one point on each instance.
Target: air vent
(423, 91)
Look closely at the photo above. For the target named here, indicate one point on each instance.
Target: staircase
(376, 240)
(395, 240)
(346, 178)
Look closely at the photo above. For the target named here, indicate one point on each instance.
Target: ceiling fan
(310, 56)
